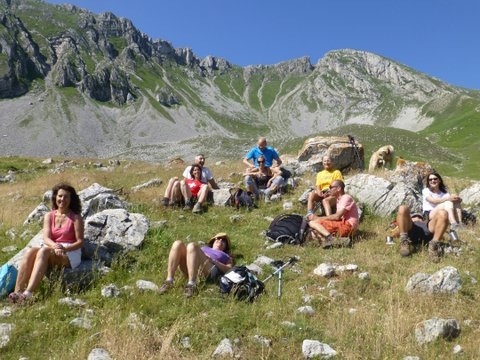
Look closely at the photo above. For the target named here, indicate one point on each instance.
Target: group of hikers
(333, 225)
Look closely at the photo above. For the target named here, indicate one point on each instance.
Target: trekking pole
(280, 265)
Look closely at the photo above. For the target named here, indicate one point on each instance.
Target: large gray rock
(432, 329)
(96, 198)
(446, 280)
(112, 231)
(471, 195)
(316, 349)
(382, 196)
(345, 154)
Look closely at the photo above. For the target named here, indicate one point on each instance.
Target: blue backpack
(8, 277)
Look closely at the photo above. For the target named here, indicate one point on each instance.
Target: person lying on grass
(211, 261)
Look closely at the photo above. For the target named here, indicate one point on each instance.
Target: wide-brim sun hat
(220, 235)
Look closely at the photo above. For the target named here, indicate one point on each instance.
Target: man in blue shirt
(268, 152)
(268, 155)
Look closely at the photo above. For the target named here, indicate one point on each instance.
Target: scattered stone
(446, 280)
(71, 302)
(47, 161)
(334, 293)
(5, 331)
(325, 270)
(254, 268)
(11, 233)
(364, 276)
(287, 205)
(6, 312)
(225, 348)
(457, 349)
(432, 329)
(263, 260)
(314, 348)
(185, 341)
(218, 163)
(307, 299)
(411, 357)
(346, 268)
(149, 183)
(236, 218)
(352, 311)
(307, 310)
(288, 324)
(146, 285)
(10, 248)
(99, 354)
(83, 322)
(110, 291)
(160, 224)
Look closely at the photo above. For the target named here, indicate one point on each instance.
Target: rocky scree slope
(100, 87)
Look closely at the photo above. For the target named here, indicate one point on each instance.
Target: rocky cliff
(100, 87)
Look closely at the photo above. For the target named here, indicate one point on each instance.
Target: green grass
(382, 328)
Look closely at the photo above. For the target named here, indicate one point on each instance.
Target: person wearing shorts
(342, 224)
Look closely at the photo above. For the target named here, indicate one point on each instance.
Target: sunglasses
(221, 239)
(260, 162)
(433, 179)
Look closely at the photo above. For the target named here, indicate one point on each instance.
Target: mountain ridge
(102, 88)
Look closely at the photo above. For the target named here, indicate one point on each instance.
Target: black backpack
(240, 198)
(241, 283)
(288, 229)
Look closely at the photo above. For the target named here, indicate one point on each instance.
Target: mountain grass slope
(364, 319)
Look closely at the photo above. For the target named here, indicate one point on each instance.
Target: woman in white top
(436, 197)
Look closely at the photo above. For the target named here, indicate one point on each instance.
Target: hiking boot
(167, 285)
(332, 242)
(190, 290)
(406, 247)
(435, 250)
(188, 206)
(197, 209)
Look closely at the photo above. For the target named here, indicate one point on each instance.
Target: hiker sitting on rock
(211, 261)
(342, 223)
(194, 190)
(173, 193)
(436, 197)
(414, 231)
(321, 193)
(263, 180)
(62, 243)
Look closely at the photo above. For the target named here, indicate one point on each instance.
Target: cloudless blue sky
(437, 37)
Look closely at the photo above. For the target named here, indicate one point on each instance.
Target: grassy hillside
(382, 327)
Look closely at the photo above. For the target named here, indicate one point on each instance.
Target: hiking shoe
(336, 242)
(406, 247)
(197, 209)
(435, 250)
(188, 206)
(190, 290)
(167, 285)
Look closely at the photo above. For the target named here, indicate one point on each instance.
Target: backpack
(288, 229)
(287, 172)
(240, 198)
(8, 277)
(241, 283)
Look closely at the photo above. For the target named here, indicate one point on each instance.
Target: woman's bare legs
(177, 258)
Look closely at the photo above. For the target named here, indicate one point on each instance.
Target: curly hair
(75, 203)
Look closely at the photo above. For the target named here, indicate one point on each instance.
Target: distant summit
(75, 83)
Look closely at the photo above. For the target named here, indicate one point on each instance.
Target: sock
(309, 212)
(169, 280)
(27, 294)
(403, 235)
(192, 283)
(329, 237)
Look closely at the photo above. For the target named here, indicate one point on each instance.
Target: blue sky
(437, 37)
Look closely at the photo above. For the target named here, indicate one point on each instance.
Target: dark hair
(193, 167)
(227, 246)
(75, 203)
(441, 185)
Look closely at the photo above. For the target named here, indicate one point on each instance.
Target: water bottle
(389, 240)
(453, 235)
